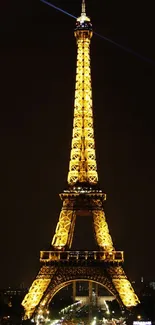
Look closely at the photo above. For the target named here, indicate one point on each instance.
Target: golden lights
(83, 167)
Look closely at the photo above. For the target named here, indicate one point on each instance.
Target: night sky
(38, 61)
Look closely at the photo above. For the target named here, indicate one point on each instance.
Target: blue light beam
(59, 9)
(103, 37)
(125, 48)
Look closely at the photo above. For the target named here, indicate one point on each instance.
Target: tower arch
(63, 279)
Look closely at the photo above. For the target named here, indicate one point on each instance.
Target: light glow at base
(142, 322)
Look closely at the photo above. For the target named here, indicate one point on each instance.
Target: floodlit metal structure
(83, 167)
(60, 266)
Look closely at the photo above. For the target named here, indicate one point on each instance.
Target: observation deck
(78, 257)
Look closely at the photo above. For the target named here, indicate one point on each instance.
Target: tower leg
(102, 235)
(37, 289)
(64, 230)
(123, 286)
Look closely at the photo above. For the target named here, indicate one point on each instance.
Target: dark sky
(38, 58)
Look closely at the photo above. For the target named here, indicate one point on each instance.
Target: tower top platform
(83, 16)
(83, 22)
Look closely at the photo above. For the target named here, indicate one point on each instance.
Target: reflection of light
(54, 322)
(70, 307)
(47, 319)
(107, 307)
(94, 321)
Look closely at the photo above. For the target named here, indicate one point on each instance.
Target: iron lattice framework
(60, 266)
(83, 167)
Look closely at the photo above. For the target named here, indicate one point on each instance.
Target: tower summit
(83, 12)
(60, 265)
(83, 167)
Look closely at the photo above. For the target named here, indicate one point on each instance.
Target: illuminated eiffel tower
(61, 266)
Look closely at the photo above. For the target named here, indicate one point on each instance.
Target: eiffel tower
(61, 266)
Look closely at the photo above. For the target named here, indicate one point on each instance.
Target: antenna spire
(83, 8)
